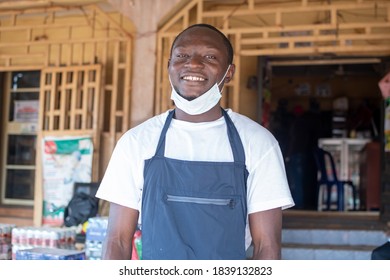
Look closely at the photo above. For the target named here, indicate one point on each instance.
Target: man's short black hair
(226, 41)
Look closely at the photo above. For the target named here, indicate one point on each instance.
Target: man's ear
(230, 73)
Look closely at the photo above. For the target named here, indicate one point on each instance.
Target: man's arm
(266, 231)
(122, 223)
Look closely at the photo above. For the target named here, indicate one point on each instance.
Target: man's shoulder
(146, 129)
(245, 122)
(249, 128)
(157, 120)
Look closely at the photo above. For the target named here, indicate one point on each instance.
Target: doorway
(315, 99)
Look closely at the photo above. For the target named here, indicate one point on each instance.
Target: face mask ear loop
(224, 78)
(169, 77)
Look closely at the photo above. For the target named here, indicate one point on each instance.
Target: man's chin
(189, 98)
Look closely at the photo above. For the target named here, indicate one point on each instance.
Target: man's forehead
(209, 37)
(204, 46)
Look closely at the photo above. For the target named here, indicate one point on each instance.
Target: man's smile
(193, 78)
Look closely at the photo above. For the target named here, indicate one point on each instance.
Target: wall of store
(146, 16)
(34, 42)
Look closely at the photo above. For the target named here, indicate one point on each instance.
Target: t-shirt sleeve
(267, 182)
(121, 180)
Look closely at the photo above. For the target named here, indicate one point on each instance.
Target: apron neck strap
(234, 139)
(160, 151)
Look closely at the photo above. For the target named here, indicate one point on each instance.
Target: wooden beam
(298, 9)
(357, 50)
(109, 19)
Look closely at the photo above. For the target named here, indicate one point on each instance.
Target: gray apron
(194, 209)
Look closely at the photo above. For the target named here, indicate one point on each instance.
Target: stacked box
(95, 235)
(5, 241)
(44, 237)
(40, 253)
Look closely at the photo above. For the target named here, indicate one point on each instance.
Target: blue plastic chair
(321, 157)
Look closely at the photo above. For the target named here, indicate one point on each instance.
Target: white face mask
(201, 104)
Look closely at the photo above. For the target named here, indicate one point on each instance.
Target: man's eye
(181, 55)
(211, 56)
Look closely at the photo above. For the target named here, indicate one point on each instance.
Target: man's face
(199, 59)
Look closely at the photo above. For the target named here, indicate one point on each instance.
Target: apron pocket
(230, 202)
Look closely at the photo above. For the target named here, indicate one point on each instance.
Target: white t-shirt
(267, 186)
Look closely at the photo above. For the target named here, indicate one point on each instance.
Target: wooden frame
(279, 28)
(64, 39)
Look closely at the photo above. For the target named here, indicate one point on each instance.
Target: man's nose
(195, 61)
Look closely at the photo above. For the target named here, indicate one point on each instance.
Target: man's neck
(213, 114)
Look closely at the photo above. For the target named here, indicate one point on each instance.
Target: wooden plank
(16, 213)
(73, 98)
(278, 18)
(109, 19)
(251, 4)
(314, 39)
(60, 41)
(166, 84)
(299, 9)
(357, 50)
(62, 108)
(114, 93)
(308, 27)
(93, 53)
(100, 117)
(38, 191)
(52, 97)
(127, 93)
(22, 55)
(95, 124)
(38, 184)
(17, 221)
(388, 14)
(333, 16)
(178, 16)
(199, 10)
(6, 68)
(158, 79)
(84, 115)
(5, 113)
(59, 133)
(59, 55)
(236, 80)
(185, 21)
(296, 219)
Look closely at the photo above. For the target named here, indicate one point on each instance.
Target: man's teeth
(191, 78)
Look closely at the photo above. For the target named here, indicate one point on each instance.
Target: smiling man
(202, 181)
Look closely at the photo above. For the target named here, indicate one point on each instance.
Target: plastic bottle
(38, 238)
(53, 241)
(30, 237)
(15, 240)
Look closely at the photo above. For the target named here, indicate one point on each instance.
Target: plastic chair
(329, 179)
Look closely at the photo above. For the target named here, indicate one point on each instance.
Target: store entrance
(327, 102)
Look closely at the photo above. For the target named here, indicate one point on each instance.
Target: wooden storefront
(80, 58)
(88, 50)
(301, 32)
